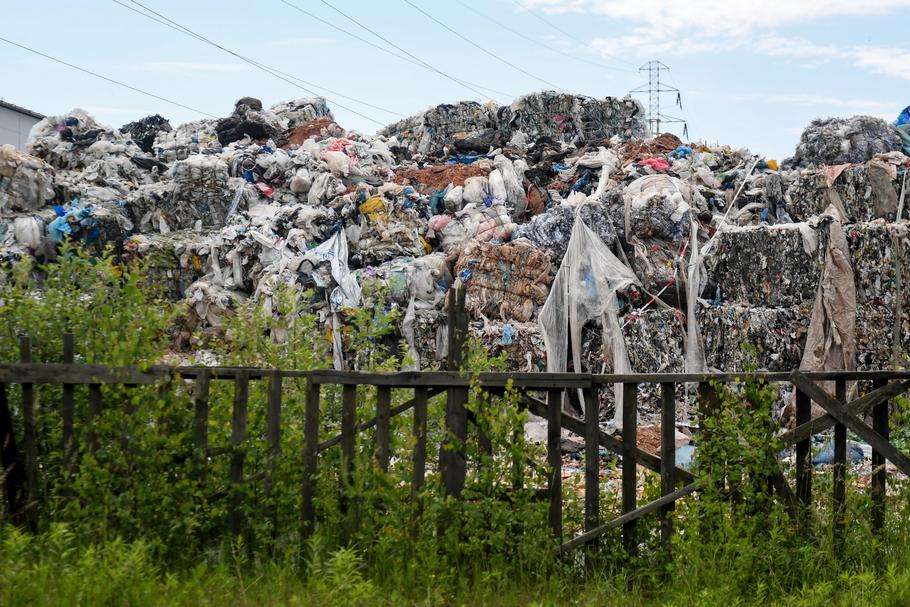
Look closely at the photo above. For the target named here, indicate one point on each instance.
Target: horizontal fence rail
(540, 394)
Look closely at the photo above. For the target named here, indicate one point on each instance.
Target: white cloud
(727, 17)
(180, 67)
(882, 60)
(664, 28)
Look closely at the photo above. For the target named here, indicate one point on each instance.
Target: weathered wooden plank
(768, 376)
(419, 457)
(856, 407)
(628, 517)
(310, 462)
(238, 455)
(592, 460)
(30, 437)
(62, 373)
(446, 379)
(201, 425)
(629, 463)
(383, 433)
(667, 457)
(572, 424)
(843, 416)
(554, 460)
(879, 473)
(803, 454)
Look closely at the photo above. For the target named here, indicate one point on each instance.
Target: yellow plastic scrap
(772, 164)
(426, 246)
(374, 209)
(197, 264)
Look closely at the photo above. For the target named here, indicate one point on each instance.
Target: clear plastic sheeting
(585, 289)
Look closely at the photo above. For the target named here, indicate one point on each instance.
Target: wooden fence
(22, 474)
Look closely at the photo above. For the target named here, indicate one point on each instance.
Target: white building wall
(14, 127)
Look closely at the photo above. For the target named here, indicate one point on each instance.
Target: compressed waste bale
(187, 139)
(200, 191)
(551, 230)
(565, 117)
(857, 191)
(444, 124)
(26, 182)
(521, 342)
(299, 112)
(876, 261)
(659, 207)
(144, 131)
(767, 265)
(173, 262)
(741, 337)
(72, 140)
(504, 281)
(387, 229)
(875, 336)
(655, 341)
(831, 141)
(93, 226)
(22, 235)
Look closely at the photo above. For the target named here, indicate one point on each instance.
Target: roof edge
(20, 109)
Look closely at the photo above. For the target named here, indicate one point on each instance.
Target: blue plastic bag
(904, 118)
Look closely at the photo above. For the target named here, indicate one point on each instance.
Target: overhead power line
(539, 43)
(419, 63)
(111, 80)
(481, 48)
(568, 35)
(261, 66)
(390, 43)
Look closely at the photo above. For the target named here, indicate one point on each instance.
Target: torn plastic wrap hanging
(831, 341)
(585, 289)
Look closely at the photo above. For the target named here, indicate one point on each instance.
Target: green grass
(54, 569)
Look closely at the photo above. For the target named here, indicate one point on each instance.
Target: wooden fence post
(273, 425)
(238, 437)
(383, 434)
(348, 453)
(68, 414)
(420, 455)
(840, 471)
(667, 458)
(30, 438)
(879, 473)
(629, 462)
(592, 459)
(453, 464)
(803, 458)
(201, 423)
(554, 460)
(310, 462)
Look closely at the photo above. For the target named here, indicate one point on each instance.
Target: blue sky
(752, 74)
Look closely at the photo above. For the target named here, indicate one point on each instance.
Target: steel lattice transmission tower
(654, 89)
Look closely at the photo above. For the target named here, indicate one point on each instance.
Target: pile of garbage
(583, 243)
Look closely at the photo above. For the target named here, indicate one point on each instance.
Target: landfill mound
(583, 244)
